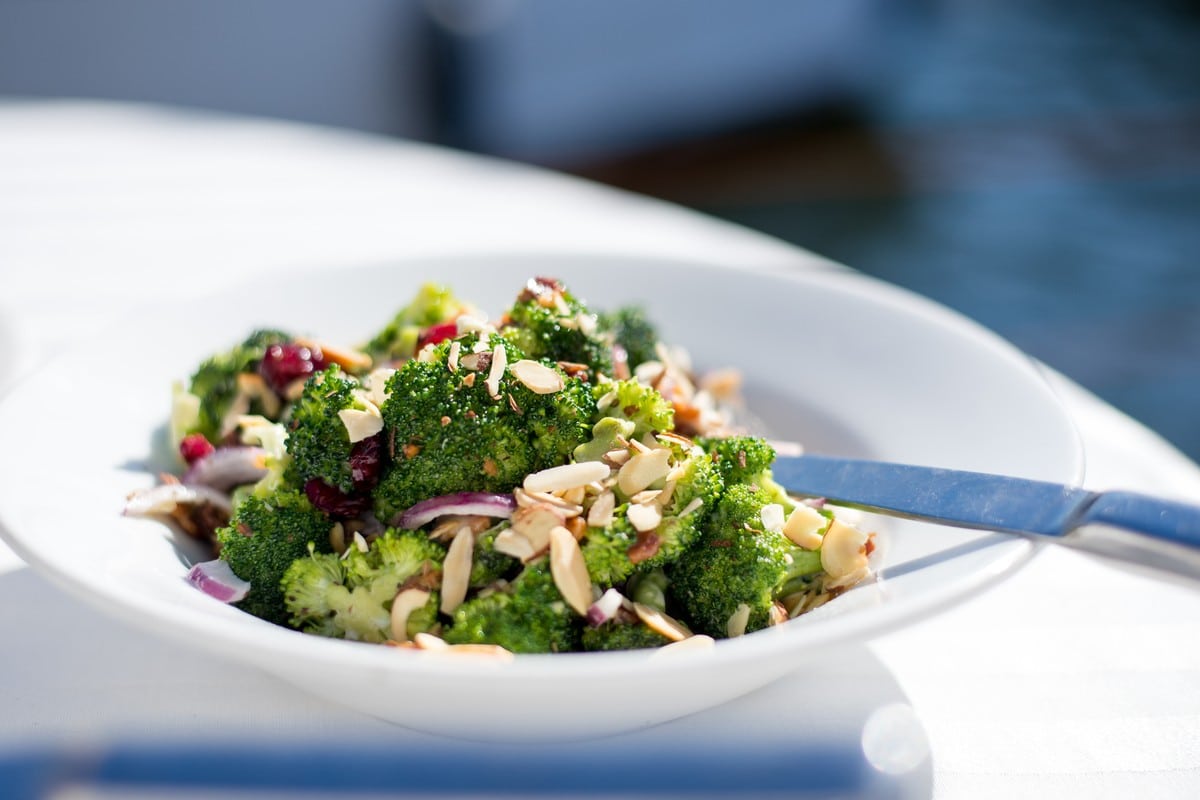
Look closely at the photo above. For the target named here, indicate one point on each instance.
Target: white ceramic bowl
(835, 360)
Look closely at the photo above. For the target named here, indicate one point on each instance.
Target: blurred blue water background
(1035, 165)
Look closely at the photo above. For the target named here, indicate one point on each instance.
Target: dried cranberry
(366, 462)
(332, 500)
(283, 364)
(194, 447)
(437, 333)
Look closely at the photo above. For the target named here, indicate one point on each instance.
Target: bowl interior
(841, 363)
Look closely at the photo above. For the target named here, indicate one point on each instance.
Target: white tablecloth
(1071, 679)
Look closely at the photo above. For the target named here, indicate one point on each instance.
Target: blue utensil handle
(1162, 519)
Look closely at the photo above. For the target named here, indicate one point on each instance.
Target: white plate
(838, 361)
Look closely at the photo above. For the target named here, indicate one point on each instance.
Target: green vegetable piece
(531, 617)
(265, 535)
(548, 322)
(397, 341)
(351, 597)
(736, 562)
(622, 636)
(449, 434)
(649, 588)
(215, 381)
(638, 403)
(747, 459)
(606, 436)
(633, 331)
(317, 440)
(489, 564)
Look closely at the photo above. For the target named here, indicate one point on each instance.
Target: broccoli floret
(489, 564)
(530, 617)
(614, 552)
(607, 435)
(549, 322)
(633, 331)
(737, 563)
(397, 341)
(649, 587)
(622, 636)
(448, 433)
(215, 381)
(747, 459)
(351, 597)
(265, 535)
(318, 442)
(642, 405)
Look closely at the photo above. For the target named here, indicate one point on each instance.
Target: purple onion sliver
(227, 467)
(217, 580)
(484, 504)
(605, 608)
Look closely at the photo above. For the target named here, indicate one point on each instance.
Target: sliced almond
(456, 570)
(427, 641)
(777, 614)
(803, 527)
(344, 357)
(361, 423)
(617, 457)
(568, 476)
(499, 362)
(511, 543)
(537, 378)
(693, 505)
(600, 515)
(736, 624)
(452, 356)
(646, 496)
(642, 470)
(660, 622)
(470, 323)
(691, 644)
(360, 543)
(536, 522)
(566, 507)
(405, 603)
(337, 538)
(644, 517)
(843, 552)
(574, 495)
(723, 384)
(569, 570)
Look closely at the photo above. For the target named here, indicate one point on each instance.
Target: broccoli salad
(554, 480)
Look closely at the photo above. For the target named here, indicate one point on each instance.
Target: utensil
(1148, 531)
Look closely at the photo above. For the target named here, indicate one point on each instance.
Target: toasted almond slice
(600, 515)
(361, 543)
(538, 378)
(646, 496)
(535, 523)
(660, 622)
(337, 538)
(490, 651)
(452, 356)
(777, 614)
(691, 644)
(617, 457)
(675, 438)
(568, 509)
(425, 354)
(606, 400)
(403, 605)
(643, 470)
(574, 495)
(569, 571)
(456, 569)
(344, 357)
(694, 505)
(804, 526)
(843, 551)
(361, 423)
(641, 447)
(736, 624)
(772, 517)
(511, 543)
(499, 362)
(568, 476)
(723, 384)
(644, 517)
(663, 499)
(427, 641)
(649, 372)
(470, 323)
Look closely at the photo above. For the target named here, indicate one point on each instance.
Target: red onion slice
(482, 504)
(227, 467)
(164, 498)
(217, 580)
(605, 608)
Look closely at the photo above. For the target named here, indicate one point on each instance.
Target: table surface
(1073, 678)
